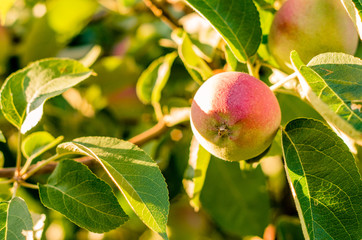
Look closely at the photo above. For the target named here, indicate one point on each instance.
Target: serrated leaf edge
(329, 115)
(88, 152)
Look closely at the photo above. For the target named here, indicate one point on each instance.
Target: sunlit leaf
(195, 65)
(38, 142)
(133, 172)
(2, 137)
(237, 21)
(73, 190)
(24, 92)
(15, 220)
(233, 63)
(332, 84)
(154, 79)
(324, 179)
(236, 200)
(196, 172)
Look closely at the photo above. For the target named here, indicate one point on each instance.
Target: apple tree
(181, 119)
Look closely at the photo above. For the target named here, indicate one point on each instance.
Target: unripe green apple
(311, 27)
(235, 116)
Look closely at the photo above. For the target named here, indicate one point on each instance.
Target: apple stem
(283, 81)
(253, 69)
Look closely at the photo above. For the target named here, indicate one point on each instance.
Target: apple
(311, 27)
(235, 116)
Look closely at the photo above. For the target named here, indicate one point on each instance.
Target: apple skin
(235, 116)
(311, 27)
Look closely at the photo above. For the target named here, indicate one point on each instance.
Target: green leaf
(38, 142)
(195, 173)
(195, 65)
(133, 172)
(354, 9)
(2, 137)
(74, 191)
(154, 79)
(236, 200)
(293, 107)
(15, 220)
(288, 228)
(332, 84)
(324, 179)
(233, 63)
(24, 92)
(237, 22)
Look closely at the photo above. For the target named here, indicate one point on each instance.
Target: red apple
(235, 116)
(311, 27)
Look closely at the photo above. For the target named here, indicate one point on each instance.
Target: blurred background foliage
(119, 39)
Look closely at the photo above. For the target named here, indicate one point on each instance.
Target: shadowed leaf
(74, 191)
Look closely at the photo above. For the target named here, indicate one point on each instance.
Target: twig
(40, 152)
(253, 69)
(9, 172)
(18, 155)
(151, 133)
(29, 185)
(283, 81)
(15, 188)
(162, 13)
(7, 181)
(43, 163)
(40, 167)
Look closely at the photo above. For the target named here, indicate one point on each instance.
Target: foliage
(95, 134)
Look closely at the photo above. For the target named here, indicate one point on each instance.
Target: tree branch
(158, 10)
(140, 139)
(150, 134)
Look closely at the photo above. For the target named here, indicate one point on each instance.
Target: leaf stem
(7, 181)
(41, 164)
(29, 185)
(283, 81)
(15, 188)
(158, 110)
(253, 69)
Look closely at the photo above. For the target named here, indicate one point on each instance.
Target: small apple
(311, 27)
(235, 116)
